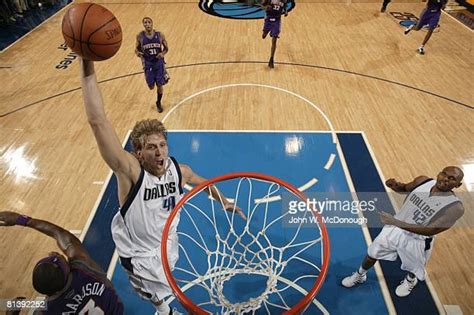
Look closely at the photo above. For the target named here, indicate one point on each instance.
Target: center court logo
(233, 9)
(405, 19)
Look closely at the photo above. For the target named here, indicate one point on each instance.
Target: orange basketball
(92, 31)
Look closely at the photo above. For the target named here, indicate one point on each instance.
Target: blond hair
(145, 128)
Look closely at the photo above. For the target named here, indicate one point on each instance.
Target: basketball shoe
(409, 28)
(355, 278)
(270, 63)
(158, 107)
(405, 287)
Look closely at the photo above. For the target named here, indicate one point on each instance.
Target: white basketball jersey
(420, 207)
(138, 226)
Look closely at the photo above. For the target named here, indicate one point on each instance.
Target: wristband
(22, 220)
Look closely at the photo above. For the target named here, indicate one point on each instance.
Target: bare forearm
(62, 237)
(217, 195)
(414, 228)
(91, 94)
(104, 133)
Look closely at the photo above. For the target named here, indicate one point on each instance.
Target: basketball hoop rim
(184, 300)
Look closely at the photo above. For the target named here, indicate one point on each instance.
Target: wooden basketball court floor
(354, 63)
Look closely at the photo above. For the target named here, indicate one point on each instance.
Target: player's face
(448, 179)
(148, 25)
(155, 153)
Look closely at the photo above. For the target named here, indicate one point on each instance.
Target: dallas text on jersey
(160, 190)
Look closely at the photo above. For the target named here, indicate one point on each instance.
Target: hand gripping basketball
(92, 31)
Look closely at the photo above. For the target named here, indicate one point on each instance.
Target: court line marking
(453, 309)
(365, 231)
(110, 174)
(309, 184)
(244, 62)
(267, 200)
(112, 264)
(101, 194)
(260, 130)
(377, 268)
(331, 157)
(368, 239)
(114, 260)
(302, 188)
(115, 256)
(329, 163)
(225, 86)
(96, 205)
(429, 284)
(452, 17)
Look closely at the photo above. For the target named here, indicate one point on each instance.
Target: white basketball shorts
(146, 273)
(414, 250)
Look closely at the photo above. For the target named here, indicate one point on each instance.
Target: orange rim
(184, 300)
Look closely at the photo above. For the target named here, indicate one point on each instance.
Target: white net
(264, 263)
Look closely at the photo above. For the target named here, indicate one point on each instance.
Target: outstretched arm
(194, 179)
(438, 225)
(119, 160)
(69, 244)
(401, 187)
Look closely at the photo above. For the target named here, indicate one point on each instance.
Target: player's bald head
(456, 171)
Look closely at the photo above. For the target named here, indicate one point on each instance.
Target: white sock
(362, 271)
(409, 278)
(162, 309)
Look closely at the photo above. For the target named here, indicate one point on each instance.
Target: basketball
(92, 31)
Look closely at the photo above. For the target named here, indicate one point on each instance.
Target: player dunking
(73, 285)
(272, 23)
(429, 16)
(429, 209)
(150, 183)
(152, 47)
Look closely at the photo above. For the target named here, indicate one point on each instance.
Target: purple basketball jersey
(150, 46)
(431, 14)
(435, 5)
(89, 291)
(275, 9)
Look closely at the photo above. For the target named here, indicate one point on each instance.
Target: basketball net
(244, 247)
